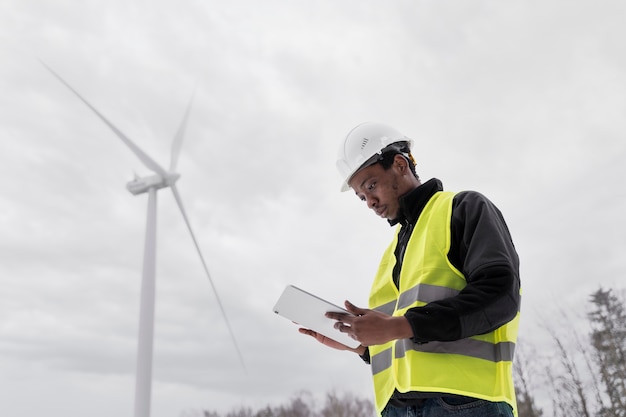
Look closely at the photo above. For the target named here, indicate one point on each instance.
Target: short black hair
(398, 148)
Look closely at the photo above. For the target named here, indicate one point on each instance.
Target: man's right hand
(330, 342)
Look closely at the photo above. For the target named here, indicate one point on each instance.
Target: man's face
(381, 189)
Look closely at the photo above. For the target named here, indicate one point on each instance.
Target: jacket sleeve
(482, 249)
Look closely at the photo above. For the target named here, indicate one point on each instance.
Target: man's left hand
(371, 327)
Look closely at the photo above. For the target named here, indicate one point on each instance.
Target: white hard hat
(361, 145)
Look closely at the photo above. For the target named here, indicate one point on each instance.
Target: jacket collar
(413, 202)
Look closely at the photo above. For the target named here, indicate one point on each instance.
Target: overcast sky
(524, 102)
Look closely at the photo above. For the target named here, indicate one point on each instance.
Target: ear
(400, 163)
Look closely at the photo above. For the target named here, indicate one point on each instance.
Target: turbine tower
(150, 185)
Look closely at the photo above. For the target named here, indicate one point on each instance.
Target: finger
(357, 311)
(337, 316)
(307, 332)
(342, 327)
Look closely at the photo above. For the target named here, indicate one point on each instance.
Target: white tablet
(308, 311)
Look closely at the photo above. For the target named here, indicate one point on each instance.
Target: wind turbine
(151, 184)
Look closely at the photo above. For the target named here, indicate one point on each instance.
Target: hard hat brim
(345, 186)
(374, 159)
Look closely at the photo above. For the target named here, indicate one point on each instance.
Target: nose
(371, 202)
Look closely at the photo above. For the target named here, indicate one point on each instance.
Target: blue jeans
(451, 406)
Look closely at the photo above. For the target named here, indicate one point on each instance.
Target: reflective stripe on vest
(502, 351)
(478, 366)
(425, 293)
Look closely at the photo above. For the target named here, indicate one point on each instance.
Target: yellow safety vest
(479, 366)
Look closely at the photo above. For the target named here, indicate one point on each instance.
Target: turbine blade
(147, 161)
(178, 139)
(206, 269)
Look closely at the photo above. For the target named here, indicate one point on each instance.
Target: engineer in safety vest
(441, 325)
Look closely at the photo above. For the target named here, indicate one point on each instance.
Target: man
(443, 313)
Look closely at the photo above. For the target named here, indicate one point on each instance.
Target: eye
(371, 186)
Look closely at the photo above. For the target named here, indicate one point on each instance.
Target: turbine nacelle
(141, 185)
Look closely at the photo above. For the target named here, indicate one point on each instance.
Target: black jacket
(482, 249)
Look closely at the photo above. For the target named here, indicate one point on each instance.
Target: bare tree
(567, 383)
(523, 374)
(572, 382)
(346, 406)
(608, 336)
(302, 405)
